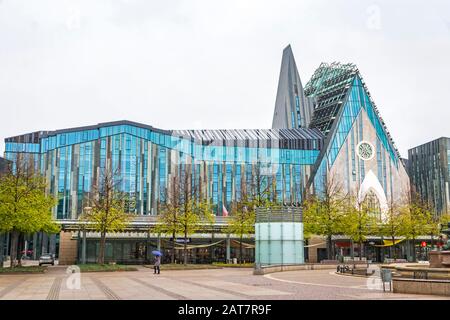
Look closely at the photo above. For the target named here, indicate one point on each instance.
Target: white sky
(215, 64)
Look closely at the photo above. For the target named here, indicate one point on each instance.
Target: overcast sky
(215, 64)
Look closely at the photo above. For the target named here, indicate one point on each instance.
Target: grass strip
(229, 265)
(105, 267)
(23, 270)
(174, 266)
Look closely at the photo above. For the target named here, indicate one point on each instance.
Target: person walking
(157, 264)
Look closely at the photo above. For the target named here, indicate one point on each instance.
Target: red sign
(423, 244)
(343, 244)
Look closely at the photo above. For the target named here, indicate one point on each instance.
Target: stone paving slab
(158, 290)
(128, 289)
(30, 289)
(87, 290)
(191, 290)
(226, 284)
(242, 288)
(8, 283)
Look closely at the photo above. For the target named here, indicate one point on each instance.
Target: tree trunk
(212, 248)
(2, 248)
(360, 250)
(352, 253)
(101, 255)
(329, 248)
(240, 251)
(414, 249)
(185, 248)
(20, 248)
(173, 248)
(394, 254)
(13, 250)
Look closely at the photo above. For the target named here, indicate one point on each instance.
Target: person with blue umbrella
(157, 264)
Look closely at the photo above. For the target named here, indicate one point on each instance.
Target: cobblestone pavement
(235, 284)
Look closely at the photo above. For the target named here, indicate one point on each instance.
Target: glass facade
(340, 95)
(429, 170)
(222, 164)
(4, 165)
(356, 100)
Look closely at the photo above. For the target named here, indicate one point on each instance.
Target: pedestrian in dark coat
(157, 264)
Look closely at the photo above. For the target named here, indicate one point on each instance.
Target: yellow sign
(388, 243)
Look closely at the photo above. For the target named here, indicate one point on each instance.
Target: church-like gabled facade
(358, 153)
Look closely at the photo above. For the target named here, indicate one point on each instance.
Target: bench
(329, 262)
(349, 258)
(354, 267)
(390, 260)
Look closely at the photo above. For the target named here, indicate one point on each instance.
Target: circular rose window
(365, 150)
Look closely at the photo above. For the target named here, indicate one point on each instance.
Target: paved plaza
(227, 284)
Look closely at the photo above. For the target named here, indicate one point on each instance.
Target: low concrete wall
(418, 271)
(306, 266)
(439, 259)
(419, 286)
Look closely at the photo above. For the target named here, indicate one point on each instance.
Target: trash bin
(386, 276)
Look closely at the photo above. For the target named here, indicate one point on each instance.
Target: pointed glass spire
(292, 108)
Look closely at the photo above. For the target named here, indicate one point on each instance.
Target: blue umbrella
(156, 253)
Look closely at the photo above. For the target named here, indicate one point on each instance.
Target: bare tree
(358, 220)
(184, 211)
(107, 212)
(262, 193)
(168, 216)
(324, 213)
(392, 226)
(262, 190)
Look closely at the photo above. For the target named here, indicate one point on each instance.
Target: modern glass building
(222, 164)
(429, 170)
(4, 165)
(330, 127)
